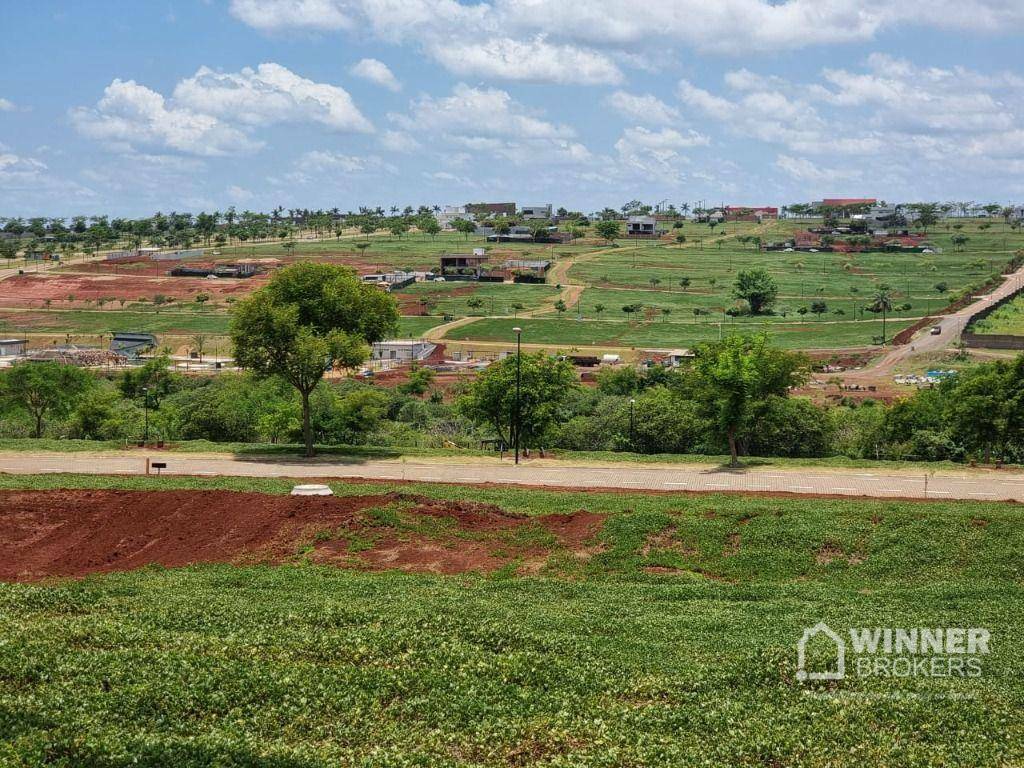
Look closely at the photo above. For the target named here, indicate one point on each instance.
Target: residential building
(537, 267)
(643, 226)
(536, 212)
(459, 263)
(448, 214)
(392, 281)
(486, 210)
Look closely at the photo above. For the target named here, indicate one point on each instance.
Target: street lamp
(632, 423)
(519, 368)
(145, 410)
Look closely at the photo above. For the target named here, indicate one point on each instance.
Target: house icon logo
(821, 628)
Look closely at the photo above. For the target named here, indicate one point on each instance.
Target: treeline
(735, 397)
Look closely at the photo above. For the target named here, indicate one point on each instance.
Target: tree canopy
(308, 319)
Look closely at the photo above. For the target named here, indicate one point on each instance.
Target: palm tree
(881, 301)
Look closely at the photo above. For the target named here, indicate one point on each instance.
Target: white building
(450, 213)
(402, 351)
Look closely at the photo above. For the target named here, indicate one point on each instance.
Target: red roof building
(749, 213)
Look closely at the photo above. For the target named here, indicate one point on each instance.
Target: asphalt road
(978, 486)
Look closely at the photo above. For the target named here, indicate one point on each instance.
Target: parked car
(936, 330)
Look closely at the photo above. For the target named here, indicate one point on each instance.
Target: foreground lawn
(597, 661)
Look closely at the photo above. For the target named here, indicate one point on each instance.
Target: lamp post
(519, 367)
(145, 410)
(632, 423)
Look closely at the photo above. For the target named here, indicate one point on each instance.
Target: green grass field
(673, 645)
(170, 322)
(568, 332)
(1008, 319)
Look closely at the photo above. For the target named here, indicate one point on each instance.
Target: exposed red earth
(73, 533)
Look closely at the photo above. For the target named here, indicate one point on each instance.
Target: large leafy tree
(44, 390)
(545, 385)
(608, 229)
(758, 288)
(307, 320)
(733, 376)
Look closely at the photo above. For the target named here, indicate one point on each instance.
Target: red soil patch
(74, 290)
(77, 532)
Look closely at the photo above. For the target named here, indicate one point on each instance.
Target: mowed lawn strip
(672, 644)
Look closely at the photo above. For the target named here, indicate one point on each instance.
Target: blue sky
(127, 108)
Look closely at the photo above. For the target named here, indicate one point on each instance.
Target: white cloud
(666, 138)
(131, 115)
(270, 94)
(271, 15)
(729, 26)
(804, 170)
(6, 105)
(646, 109)
(239, 194)
(376, 72)
(479, 112)
(398, 141)
(533, 60)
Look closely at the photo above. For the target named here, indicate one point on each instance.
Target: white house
(402, 351)
(450, 213)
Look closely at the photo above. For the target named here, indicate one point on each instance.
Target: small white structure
(610, 359)
(402, 351)
(311, 490)
(536, 211)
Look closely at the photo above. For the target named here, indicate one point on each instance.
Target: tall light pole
(632, 423)
(519, 368)
(145, 410)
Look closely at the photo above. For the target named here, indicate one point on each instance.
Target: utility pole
(519, 360)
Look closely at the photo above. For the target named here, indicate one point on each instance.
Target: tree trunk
(307, 429)
(733, 452)
(39, 425)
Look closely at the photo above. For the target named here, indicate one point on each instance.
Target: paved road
(979, 486)
(952, 326)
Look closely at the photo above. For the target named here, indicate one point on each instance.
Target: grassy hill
(671, 643)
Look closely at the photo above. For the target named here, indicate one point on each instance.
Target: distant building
(403, 351)
(536, 212)
(486, 210)
(392, 280)
(132, 345)
(643, 226)
(526, 265)
(750, 213)
(13, 347)
(447, 216)
(462, 263)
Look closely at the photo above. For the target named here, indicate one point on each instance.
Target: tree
(819, 308)
(757, 288)
(308, 319)
(599, 308)
(654, 281)
(560, 306)
(881, 301)
(681, 239)
(733, 376)
(44, 390)
(430, 226)
(684, 283)
(465, 226)
(199, 345)
(607, 229)
(546, 383)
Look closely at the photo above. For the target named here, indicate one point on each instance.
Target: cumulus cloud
(533, 60)
(399, 141)
(6, 105)
(479, 112)
(270, 94)
(376, 72)
(728, 26)
(130, 114)
(215, 113)
(804, 170)
(646, 109)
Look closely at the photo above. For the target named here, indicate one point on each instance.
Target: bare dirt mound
(77, 532)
